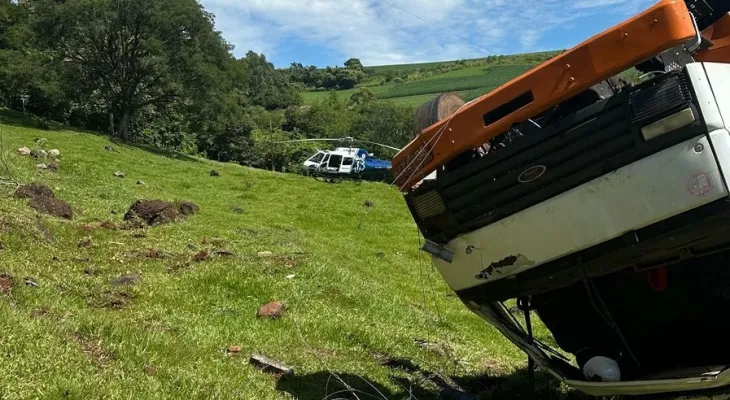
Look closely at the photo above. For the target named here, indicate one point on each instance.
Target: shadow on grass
(325, 386)
(154, 150)
(25, 120)
(17, 118)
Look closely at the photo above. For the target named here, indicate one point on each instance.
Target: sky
(385, 32)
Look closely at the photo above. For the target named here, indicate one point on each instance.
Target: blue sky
(327, 32)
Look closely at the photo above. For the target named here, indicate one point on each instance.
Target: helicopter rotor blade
(345, 139)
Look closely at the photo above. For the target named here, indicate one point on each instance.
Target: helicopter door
(334, 163)
(346, 167)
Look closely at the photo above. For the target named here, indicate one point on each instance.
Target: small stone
(273, 310)
(119, 174)
(380, 254)
(39, 153)
(30, 282)
(6, 284)
(110, 149)
(188, 208)
(237, 210)
(223, 253)
(268, 365)
(54, 153)
(292, 276)
(56, 259)
(234, 349)
(24, 151)
(141, 183)
(265, 254)
(91, 271)
(53, 167)
(202, 256)
(42, 166)
(369, 204)
(126, 280)
(38, 313)
(214, 173)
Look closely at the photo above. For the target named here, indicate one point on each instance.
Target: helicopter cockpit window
(335, 161)
(347, 162)
(317, 158)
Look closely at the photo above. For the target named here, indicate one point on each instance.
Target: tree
(134, 53)
(354, 63)
(361, 97)
(384, 122)
(267, 86)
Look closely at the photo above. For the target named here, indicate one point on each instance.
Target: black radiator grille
(593, 142)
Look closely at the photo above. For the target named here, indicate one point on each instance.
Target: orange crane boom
(662, 27)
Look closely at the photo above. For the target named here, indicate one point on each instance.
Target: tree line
(157, 72)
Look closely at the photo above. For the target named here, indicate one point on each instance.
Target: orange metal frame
(662, 27)
(719, 34)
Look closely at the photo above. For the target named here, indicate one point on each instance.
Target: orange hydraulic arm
(719, 34)
(662, 27)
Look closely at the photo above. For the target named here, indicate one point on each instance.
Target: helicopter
(352, 163)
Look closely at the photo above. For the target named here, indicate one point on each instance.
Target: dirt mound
(33, 190)
(51, 206)
(157, 212)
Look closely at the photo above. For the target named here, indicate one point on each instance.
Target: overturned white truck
(604, 210)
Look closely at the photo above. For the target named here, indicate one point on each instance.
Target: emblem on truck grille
(532, 173)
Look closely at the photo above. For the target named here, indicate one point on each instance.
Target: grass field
(466, 81)
(352, 278)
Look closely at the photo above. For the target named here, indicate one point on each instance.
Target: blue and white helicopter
(351, 162)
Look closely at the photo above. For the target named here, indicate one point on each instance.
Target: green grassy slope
(469, 80)
(360, 285)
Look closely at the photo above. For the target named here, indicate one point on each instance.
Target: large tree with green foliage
(130, 54)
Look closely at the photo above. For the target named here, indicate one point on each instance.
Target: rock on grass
(52, 206)
(33, 190)
(43, 200)
(157, 212)
(6, 284)
(273, 310)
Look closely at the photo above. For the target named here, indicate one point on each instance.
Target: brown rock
(273, 310)
(51, 206)
(234, 349)
(53, 167)
(187, 208)
(6, 284)
(38, 313)
(33, 190)
(152, 212)
(202, 256)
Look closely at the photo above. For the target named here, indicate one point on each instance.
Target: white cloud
(400, 31)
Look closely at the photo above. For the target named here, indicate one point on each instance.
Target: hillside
(354, 283)
(414, 84)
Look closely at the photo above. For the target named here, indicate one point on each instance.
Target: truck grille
(592, 142)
